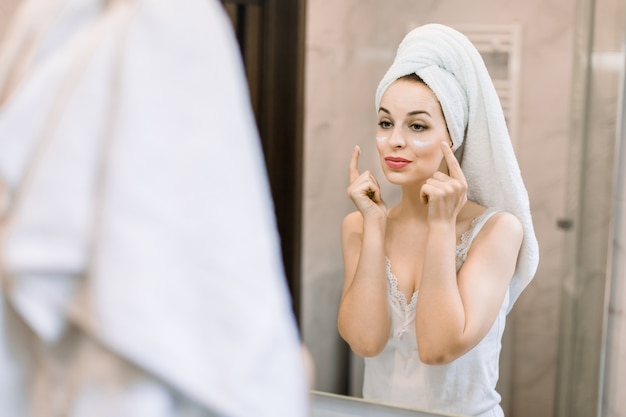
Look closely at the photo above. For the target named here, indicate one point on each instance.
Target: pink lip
(396, 163)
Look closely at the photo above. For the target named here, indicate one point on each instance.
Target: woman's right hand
(364, 190)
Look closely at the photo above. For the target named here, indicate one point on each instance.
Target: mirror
(552, 78)
(324, 404)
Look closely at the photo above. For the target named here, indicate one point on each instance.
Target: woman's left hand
(445, 194)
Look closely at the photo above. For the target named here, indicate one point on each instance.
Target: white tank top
(466, 386)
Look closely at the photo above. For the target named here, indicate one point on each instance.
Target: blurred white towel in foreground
(140, 260)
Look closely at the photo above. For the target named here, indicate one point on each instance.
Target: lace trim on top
(398, 296)
(462, 248)
(466, 238)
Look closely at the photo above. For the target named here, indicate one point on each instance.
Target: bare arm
(454, 312)
(363, 319)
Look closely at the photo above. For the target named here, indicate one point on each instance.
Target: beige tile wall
(7, 7)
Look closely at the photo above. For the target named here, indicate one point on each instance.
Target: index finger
(354, 164)
(454, 169)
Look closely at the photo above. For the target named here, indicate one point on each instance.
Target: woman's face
(411, 127)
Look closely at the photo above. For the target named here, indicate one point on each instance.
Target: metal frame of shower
(594, 176)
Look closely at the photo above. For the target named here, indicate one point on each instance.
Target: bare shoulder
(352, 223)
(505, 224)
(502, 222)
(495, 249)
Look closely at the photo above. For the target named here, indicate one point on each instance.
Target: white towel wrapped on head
(454, 70)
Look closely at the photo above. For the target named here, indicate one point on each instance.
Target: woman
(458, 248)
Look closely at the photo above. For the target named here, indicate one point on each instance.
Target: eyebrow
(411, 113)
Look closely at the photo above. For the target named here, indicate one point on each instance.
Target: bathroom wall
(7, 8)
(350, 43)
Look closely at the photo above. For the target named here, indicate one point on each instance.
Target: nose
(396, 140)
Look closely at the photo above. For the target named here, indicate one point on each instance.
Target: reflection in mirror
(350, 44)
(458, 248)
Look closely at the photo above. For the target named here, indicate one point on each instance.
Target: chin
(404, 178)
(397, 178)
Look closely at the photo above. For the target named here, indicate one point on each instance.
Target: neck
(411, 205)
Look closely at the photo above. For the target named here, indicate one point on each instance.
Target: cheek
(429, 154)
(380, 146)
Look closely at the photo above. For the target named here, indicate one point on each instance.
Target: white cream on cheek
(421, 144)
